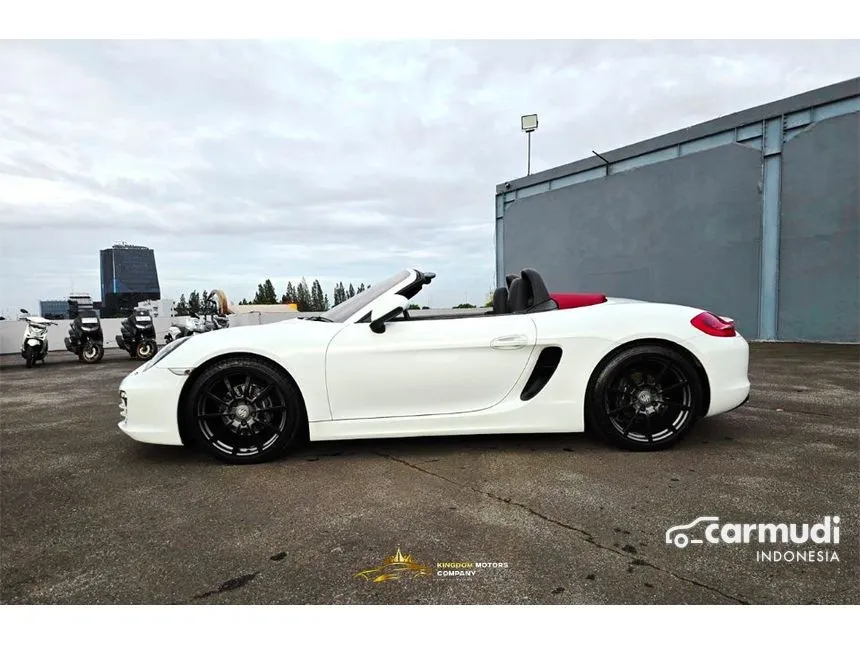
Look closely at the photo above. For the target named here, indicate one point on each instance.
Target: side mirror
(24, 311)
(386, 308)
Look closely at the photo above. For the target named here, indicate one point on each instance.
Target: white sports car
(639, 373)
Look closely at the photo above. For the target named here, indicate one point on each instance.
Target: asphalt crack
(582, 534)
(229, 585)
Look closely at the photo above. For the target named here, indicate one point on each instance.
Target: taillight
(713, 325)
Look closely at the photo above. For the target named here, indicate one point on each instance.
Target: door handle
(509, 342)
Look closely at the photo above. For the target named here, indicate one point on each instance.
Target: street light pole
(529, 164)
(529, 124)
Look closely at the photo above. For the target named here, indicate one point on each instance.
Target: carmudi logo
(709, 530)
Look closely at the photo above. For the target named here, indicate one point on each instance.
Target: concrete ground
(90, 516)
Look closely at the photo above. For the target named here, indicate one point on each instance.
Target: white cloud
(242, 160)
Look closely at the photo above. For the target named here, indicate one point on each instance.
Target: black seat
(536, 295)
(500, 300)
(509, 279)
(517, 297)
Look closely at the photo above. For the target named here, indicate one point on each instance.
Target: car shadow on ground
(705, 432)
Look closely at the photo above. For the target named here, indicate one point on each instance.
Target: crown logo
(395, 567)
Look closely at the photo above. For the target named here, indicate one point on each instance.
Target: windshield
(346, 309)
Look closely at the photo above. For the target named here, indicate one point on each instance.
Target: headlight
(164, 351)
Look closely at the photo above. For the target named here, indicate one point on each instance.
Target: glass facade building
(54, 309)
(128, 276)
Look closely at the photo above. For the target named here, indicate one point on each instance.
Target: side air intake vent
(542, 373)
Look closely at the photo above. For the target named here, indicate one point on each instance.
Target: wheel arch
(197, 371)
(661, 342)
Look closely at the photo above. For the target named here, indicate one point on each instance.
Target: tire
(258, 418)
(645, 398)
(92, 353)
(29, 357)
(146, 349)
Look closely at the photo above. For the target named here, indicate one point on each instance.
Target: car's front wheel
(243, 410)
(646, 397)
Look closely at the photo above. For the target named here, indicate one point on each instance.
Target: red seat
(574, 300)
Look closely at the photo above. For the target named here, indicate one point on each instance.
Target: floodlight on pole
(529, 123)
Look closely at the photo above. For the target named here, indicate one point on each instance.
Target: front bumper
(149, 402)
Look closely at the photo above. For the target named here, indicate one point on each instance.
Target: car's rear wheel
(645, 398)
(243, 410)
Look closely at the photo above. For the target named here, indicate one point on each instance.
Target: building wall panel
(819, 270)
(687, 231)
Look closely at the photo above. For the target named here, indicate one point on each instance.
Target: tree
(271, 298)
(260, 296)
(193, 303)
(339, 294)
(465, 305)
(181, 308)
(360, 288)
(266, 294)
(244, 302)
(351, 291)
(289, 296)
(413, 306)
(489, 302)
(303, 296)
(317, 297)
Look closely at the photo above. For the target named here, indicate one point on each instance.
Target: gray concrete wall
(685, 231)
(819, 270)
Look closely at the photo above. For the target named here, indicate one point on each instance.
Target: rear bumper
(149, 401)
(726, 362)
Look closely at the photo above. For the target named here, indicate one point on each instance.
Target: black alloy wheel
(646, 398)
(243, 410)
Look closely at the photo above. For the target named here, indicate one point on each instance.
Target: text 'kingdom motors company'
(466, 569)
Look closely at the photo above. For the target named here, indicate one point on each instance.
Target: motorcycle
(34, 346)
(213, 320)
(86, 338)
(137, 335)
(190, 326)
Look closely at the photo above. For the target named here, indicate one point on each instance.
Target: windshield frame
(355, 308)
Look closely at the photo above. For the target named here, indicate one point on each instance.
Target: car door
(426, 366)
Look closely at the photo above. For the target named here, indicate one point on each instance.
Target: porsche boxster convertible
(639, 373)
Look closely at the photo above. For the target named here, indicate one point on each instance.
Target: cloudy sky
(242, 160)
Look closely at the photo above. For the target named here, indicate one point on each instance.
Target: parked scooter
(86, 338)
(137, 335)
(212, 320)
(34, 346)
(190, 326)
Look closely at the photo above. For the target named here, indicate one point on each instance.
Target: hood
(270, 339)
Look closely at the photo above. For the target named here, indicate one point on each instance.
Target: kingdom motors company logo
(400, 567)
(816, 536)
